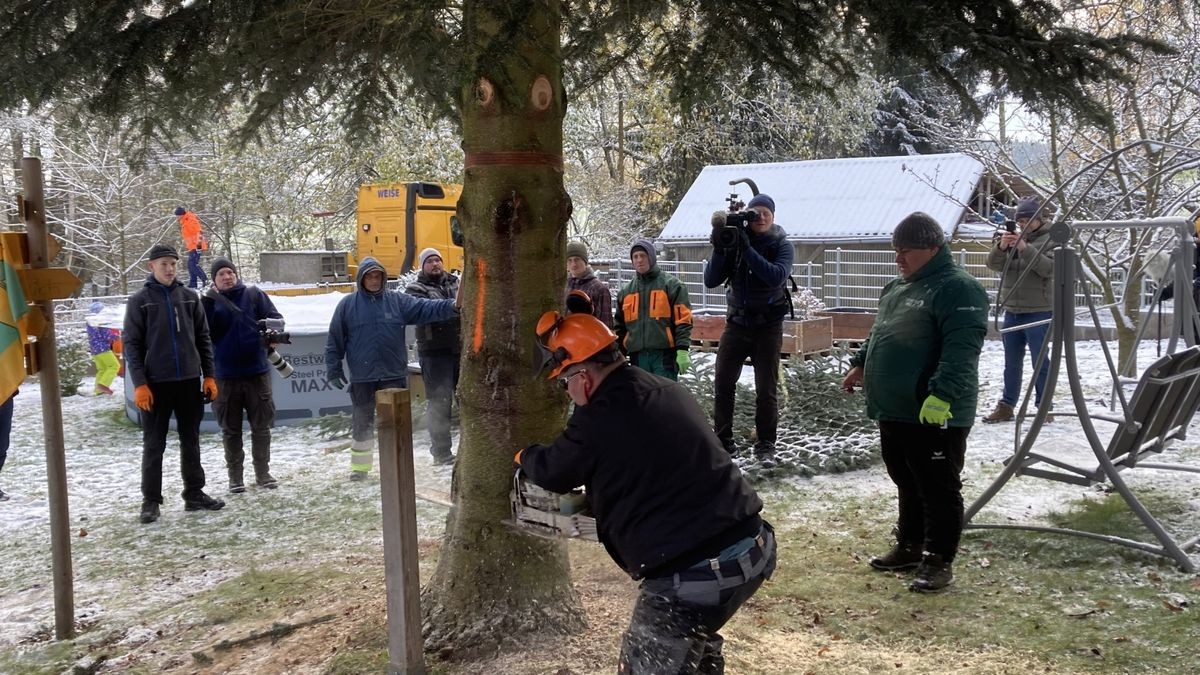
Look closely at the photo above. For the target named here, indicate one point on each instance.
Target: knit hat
(179, 210)
(647, 246)
(1029, 206)
(220, 264)
(96, 307)
(427, 254)
(762, 199)
(918, 230)
(577, 249)
(162, 251)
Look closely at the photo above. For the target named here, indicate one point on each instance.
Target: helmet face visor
(552, 360)
(563, 341)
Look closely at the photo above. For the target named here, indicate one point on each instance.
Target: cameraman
(754, 263)
(243, 373)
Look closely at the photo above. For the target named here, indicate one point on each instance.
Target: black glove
(718, 224)
(743, 241)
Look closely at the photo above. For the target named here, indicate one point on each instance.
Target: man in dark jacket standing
(167, 352)
(438, 347)
(755, 270)
(581, 277)
(920, 371)
(367, 330)
(671, 508)
(243, 373)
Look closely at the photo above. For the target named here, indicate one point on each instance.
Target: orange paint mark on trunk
(480, 296)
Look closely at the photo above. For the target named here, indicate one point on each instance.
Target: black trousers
(440, 373)
(182, 399)
(251, 395)
(925, 463)
(761, 344)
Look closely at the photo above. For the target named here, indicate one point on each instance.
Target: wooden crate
(850, 325)
(799, 337)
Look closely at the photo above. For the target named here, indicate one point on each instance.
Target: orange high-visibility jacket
(192, 236)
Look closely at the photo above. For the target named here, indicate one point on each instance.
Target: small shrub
(73, 362)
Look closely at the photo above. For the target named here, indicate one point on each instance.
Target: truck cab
(395, 221)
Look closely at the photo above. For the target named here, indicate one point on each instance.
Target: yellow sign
(48, 283)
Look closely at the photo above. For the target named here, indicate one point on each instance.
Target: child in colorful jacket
(104, 344)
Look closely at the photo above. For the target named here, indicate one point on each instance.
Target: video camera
(272, 333)
(736, 219)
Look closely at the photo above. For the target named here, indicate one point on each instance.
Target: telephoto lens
(276, 359)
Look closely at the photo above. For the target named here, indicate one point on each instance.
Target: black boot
(234, 457)
(730, 446)
(902, 557)
(149, 512)
(260, 452)
(202, 502)
(764, 452)
(933, 575)
(236, 484)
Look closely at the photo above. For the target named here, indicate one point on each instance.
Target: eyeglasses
(565, 381)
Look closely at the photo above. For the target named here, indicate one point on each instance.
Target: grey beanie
(427, 254)
(762, 199)
(577, 249)
(647, 246)
(1029, 206)
(918, 230)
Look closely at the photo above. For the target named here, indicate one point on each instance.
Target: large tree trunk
(494, 585)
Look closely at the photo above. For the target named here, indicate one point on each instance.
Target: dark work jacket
(757, 277)
(166, 335)
(664, 492)
(237, 345)
(439, 337)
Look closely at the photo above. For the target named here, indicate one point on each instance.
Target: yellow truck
(396, 221)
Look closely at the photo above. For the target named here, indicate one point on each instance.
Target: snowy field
(317, 517)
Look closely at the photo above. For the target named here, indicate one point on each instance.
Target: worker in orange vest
(194, 242)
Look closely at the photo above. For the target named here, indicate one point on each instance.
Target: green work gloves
(683, 360)
(935, 411)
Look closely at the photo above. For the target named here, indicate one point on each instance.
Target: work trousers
(251, 395)
(676, 619)
(439, 373)
(1015, 343)
(196, 276)
(660, 362)
(761, 344)
(925, 462)
(362, 421)
(182, 399)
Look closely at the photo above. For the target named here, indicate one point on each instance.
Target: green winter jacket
(926, 340)
(653, 312)
(1034, 293)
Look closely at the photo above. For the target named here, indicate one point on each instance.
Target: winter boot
(358, 476)
(3, 496)
(443, 459)
(236, 484)
(202, 502)
(1002, 413)
(902, 557)
(260, 452)
(764, 452)
(149, 512)
(730, 446)
(234, 457)
(933, 575)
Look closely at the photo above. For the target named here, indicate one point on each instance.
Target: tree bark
(514, 211)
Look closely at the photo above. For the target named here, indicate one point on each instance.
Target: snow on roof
(836, 199)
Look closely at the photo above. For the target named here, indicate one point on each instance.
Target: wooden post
(56, 463)
(402, 573)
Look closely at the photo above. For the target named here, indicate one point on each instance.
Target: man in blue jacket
(754, 267)
(243, 373)
(367, 330)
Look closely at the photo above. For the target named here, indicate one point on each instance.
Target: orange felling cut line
(480, 294)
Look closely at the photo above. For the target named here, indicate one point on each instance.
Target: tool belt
(723, 571)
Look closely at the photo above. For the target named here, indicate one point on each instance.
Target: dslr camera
(272, 333)
(736, 218)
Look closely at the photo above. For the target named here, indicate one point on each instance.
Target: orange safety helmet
(567, 340)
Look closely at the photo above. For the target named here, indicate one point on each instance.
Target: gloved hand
(143, 398)
(935, 411)
(210, 389)
(743, 241)
(718, 222)
(338, 383)
(683, 360)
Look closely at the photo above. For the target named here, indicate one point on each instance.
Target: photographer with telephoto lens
(753, 258)
(245, 326)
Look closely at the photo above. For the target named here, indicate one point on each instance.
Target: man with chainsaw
(671, 508)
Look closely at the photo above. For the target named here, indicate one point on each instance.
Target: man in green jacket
(653, 321)
(919, 369)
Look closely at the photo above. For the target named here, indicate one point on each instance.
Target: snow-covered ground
(122, 567)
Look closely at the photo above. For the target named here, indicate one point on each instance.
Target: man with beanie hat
(195, 242)
(654, 316)
(920, 371)
(1025, 261)
(169, 359)
(580, 277)
(438, 347)
(755, 272)
(243, 372)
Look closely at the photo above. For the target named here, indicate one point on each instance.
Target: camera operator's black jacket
(237, 344)
(757, 276)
